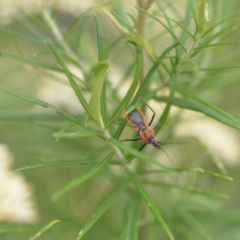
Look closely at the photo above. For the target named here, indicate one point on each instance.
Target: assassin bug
(138, 121)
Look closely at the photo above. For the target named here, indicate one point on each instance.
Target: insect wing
(136, 118)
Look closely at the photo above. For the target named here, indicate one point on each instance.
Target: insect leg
(134, 156)
(138, 132)
(153, 116)
(134, 139)
(141, 148)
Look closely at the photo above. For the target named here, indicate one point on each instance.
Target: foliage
(180, 55)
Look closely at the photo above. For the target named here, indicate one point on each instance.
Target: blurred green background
(194, 205)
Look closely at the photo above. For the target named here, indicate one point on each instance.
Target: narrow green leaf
(41, 231)
(213, 155)
(138, 154)
(104, 103)
(222, 30)
(120, 128)
(98, 101)
(147, 80)
(151, 204)
(27, 98)
(166, 111)
(203, 15)
(186, 32)
(30, 62)
(100, 40)
(26, 116)
(75, 87)
(67, 127)
(218, 44)
(57, 163)
(220, 68)
(180, 48)
(194, 13)
(164, 25)
(207, 192)
(207, 109)
(199, 170)
(98, 79)
(199, 105)
(30, 26)
(77, 134)
(131, 216)
(76, 182)
(221, 22)
(195, 224)
(190, 188)
(125, 101)
(104, 206)
(189, 169)
(215, 35)
(82, 24)
(19, 35)
(46, 105)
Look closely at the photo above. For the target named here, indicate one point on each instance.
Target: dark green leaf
(44, 104)
(151, 204)
(194, 13)
(57, 163)
(138, 154)
(30, 62)
(70, 77)
(206, 108)
(78, 134)
(178, 41)
(166, 111)
(100, 40)
(40, 232)
(147, 80)
(104, 206)
(132, 89)
(76, 182)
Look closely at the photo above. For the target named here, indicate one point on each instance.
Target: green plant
(164, 53)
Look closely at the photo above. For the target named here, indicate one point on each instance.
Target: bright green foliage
(180, 57)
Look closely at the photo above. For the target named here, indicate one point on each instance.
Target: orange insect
(138, 121)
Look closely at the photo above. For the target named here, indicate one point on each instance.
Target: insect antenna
(167, 155)
(140, 149)
(184, 142)
(173, 143)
